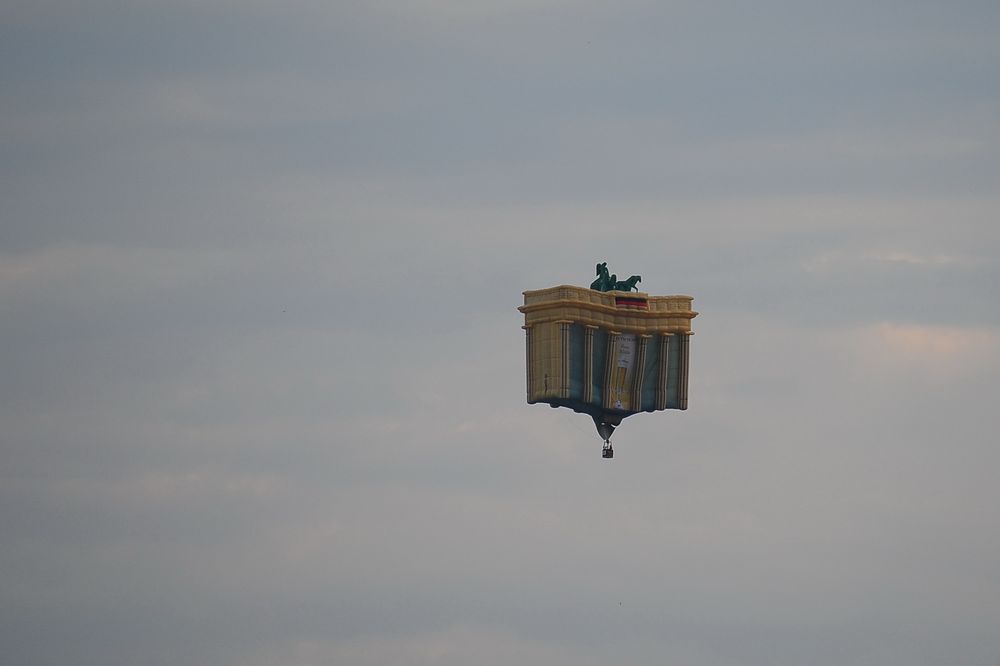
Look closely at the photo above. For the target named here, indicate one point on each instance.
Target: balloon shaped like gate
(609, 354)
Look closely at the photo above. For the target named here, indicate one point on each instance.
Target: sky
(262, 373)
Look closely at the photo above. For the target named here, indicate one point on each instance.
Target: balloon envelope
(607, 354)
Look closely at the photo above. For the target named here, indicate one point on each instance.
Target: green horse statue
(609, 282)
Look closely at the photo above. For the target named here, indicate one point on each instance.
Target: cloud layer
(253, 257)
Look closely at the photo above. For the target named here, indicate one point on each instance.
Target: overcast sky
(262, 375)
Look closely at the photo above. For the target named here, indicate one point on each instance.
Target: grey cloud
(262, 371)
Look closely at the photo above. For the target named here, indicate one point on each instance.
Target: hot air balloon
(607, 351)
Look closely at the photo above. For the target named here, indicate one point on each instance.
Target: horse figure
(629, 284)
(609, 282)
